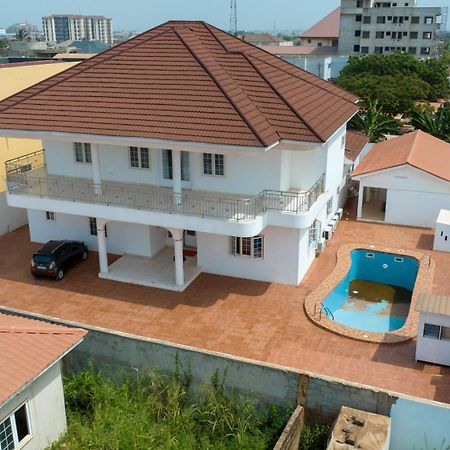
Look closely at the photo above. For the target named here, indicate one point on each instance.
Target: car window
(42, 259)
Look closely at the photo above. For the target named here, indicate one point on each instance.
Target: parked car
(55, 257)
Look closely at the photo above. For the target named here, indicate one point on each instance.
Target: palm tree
(373, 122)
(21, 35)
(437, 123)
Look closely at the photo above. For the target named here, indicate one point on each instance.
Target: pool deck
(261, 321)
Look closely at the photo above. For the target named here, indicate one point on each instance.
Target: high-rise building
(64, 27)
(369, 26)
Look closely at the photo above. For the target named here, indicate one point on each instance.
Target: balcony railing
(24, 177)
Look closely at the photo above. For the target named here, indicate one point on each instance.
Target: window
(356, 48)
(428, 20)
(314, 232)
(357, 33)
(309, 41)
(425, 51)
(82, 152)
(15, 428)
(93, 227)
(329, 206)
(50, 215)
(381, 19)
(139, 157)
(378, 50)
(412, 50)
(431, 331)
(364, 50)
(367, 19)
(359, 3)
(379, 34)
(366, 34)
(415, 19)
(427, 35)
(358, 18)
(413, 35)
(389, 17)
(213, 164)
(445, 333)
(168, 168)
(252, 247)
(319, 44)
(388, 33)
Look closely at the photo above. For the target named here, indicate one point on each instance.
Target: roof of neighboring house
(28, 347)
(261, 37)
(417, 149)
(431, 303)
(355, 141)
(328, 27)
(299, 50)
(184, 81)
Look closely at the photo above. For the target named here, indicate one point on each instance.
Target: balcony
(27, 176)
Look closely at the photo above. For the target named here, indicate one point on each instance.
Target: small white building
(433, 337)
(32, 411)
(405, 180)
(442, 232)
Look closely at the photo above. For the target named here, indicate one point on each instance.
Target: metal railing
(21, 181)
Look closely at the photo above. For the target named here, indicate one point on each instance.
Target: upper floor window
(415, 19)
(358, 18)
(213, 164)
(359, 3)
(427, 35)
(329, 206)
(15, 428)
(381, 19)
(428, 20)
(253, 247)
(83, 153)
(425, 50)
(357, 33)
(366, 34)
(139, 157)
(50, 215)
(168, 166)
(379, 34)
(367, 19)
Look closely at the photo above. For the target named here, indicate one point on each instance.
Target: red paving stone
(256, 320)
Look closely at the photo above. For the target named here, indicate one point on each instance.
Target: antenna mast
(233, 17)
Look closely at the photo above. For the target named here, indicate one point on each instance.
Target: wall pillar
(176, 175)
(102, 250)
(177, 235)
(360, 200)
(96, 169)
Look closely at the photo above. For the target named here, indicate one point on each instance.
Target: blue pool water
(375, 294)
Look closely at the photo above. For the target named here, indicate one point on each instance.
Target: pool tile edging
(423, 284)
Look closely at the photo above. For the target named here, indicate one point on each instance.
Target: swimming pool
(375, 294)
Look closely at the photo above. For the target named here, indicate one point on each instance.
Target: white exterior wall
(413, 197)
(46, 406)
(442, 232)
(432, 350)
(10, 218)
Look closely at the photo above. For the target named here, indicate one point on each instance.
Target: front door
(167, 169)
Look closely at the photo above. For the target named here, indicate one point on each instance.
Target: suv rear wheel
(60, 274)
(84, 256)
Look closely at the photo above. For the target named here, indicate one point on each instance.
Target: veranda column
(176, 175)
(102, 250)
(360, 200)
(96, 169)
(177, 235)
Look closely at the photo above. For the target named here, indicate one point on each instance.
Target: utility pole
(233, 17)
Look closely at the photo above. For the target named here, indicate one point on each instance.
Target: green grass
(314, 437)
(155, 411)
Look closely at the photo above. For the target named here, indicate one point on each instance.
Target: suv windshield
(42, 259)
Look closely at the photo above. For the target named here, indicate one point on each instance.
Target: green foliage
(314, 437)
(155, 411)
(373, 122)
(397, 80)
(435, 123)
(21, 35)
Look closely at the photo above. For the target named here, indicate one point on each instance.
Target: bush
(314, 437)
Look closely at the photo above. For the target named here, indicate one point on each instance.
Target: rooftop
(354, 144)
(184, 81)
(417, 149)
(28, 347)
(300, 50)
(328, 27)
(431, 303)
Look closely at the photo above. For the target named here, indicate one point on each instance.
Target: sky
(139, 15)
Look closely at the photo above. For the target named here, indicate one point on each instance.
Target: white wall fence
(10, 218)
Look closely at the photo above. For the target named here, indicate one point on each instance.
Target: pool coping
(423, 284)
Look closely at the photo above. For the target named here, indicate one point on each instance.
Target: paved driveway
(256, 320)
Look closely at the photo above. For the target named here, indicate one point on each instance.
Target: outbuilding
(405, 180)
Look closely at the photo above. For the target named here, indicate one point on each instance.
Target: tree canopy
(435, 123)
(397, 80)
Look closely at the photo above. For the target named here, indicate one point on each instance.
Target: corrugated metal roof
(431, 303)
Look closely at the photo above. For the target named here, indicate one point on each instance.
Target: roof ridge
(285, 100)
(414, 148)
(205, 61)
(12, 329)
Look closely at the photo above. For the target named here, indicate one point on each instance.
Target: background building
(323, 33)
(58, 28)
(370, 27)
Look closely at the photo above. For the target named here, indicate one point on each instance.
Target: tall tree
(437, 123)
(21, 35)
(373, 122)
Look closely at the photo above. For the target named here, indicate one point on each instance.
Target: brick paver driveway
(255, 320)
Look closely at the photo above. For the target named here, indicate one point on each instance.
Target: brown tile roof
(184, 81)
(328, 27)
(261, 37)
(417, 149)
(354, 143)
(28, 347)
(299, 50)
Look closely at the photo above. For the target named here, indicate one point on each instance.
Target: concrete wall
(290, 437)
(46, 408)
(10, 218)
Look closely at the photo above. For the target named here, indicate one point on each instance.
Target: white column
(96, 169)
(360, 200)
(177, 235)
(102, 251)
(176, 175)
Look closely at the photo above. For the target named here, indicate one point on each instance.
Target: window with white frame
(15, 428)
(436, 332)
(83, 153)
(253, 247)
(213, 164)
(329, 205)
(93, 227)
(139, 157)
(168, 166)
(314, 232)
(50, 215)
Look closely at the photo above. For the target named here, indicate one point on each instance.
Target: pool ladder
(319, 307)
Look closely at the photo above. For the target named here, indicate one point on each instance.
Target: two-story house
(184, 150)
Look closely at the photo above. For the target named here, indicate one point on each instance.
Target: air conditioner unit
(340, 212)
(320, 246)
(333, 224)
(337, 217)
(328, 232)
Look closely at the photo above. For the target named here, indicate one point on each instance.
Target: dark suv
(55, 257)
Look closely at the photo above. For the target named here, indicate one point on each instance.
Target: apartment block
(369, 27)
(59, 28)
